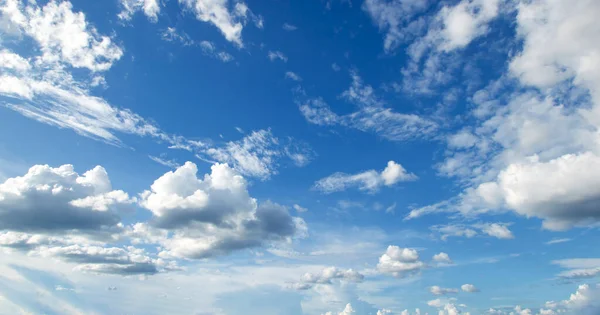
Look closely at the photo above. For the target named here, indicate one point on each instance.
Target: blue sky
(306, 157)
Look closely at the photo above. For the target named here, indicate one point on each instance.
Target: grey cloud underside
(41, 214)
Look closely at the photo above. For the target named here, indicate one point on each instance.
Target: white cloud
(62, 35)
(9, 60)
(496, 230)
(543, 139)
(442, 258)
(400, 262)
(209, 49)
(214, 215)
(275, 55)
(436, 290)
(47, 91)
(393, 18)
(111, 260)
(300, 208)
(558, 241)
(58, 201)
(171, 34)
(579, 268)
(348, 310)
(293, 76)
(165, 162)
(369, 180)
(151, 9)
(230, 21)
(289, 27)
(258, 153)
(465, 21)
(326, 276)
(469, 288)
(371, 116)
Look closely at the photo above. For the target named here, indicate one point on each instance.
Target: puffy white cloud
(400, 262)
(229, 20)
(151, 9)
(450, 309)
(565, 195)
(62, 35)
(465, 21)
(348, 310)
(545, 141)
(277, 55)
(442, 258)
(326, 276)
(213, 215)
(437, 290)
(60, 201)
(369, 180)
(469, 288)
(550, 54)
(9, 60)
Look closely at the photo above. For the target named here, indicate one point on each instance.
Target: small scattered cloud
(469, 288)
(289, 27)
(293, 76)
(277, 55)
(369, 181)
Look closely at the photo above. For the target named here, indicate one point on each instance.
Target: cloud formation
(369, 181)
(212, 215)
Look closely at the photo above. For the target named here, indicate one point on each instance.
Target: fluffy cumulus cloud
(400, 262)
(545, 151)
(465, 21)
(442, 258)
(370, 180)
(60, 201)
(348, 310)
(469, 288)
(61, 34)
(327, 276)
(213, 215)
(151, 9)
(584, 301)
(57, 213)
(227, 16)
